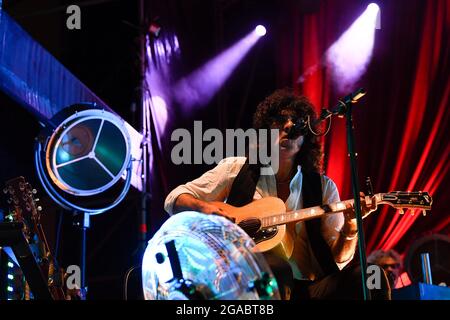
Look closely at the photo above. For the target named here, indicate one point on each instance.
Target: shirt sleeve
(331, 223)
(213, 185)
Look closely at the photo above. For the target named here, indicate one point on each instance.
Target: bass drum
(195, 256)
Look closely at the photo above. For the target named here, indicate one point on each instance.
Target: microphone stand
(344, 109)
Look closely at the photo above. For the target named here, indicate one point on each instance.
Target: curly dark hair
(310, 156)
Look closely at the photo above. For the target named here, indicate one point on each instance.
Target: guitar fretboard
(310, 213)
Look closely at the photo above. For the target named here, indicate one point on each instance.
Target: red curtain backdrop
(401, 125)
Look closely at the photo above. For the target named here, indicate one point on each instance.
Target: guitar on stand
(24, 233)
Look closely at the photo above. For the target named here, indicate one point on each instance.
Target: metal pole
(357, 200)
(426, 268)
(145, 128)
(84, 224)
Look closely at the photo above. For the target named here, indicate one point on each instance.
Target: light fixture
(80, 156)
(83, 153)
(260, 30)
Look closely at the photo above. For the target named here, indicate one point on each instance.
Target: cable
(315, 133)
(125, 285)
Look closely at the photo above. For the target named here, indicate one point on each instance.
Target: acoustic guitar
(265, 220)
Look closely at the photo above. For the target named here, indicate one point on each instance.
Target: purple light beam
(199, 87)
(349, 56)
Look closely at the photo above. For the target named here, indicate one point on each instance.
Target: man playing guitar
(318, 266)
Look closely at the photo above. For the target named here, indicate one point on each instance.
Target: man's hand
(210, 208)
(187, 202)
(368, 205)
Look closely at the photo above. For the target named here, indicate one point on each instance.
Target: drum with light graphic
(195, 256)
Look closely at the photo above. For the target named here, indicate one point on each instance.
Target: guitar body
(275, 239)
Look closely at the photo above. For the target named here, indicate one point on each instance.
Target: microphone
(353, 97)
(301, 127)
(297, 130)
(341, 107)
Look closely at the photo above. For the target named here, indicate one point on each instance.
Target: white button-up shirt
(215, 185)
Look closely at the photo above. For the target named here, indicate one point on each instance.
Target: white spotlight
(260, 30)
(374, 9)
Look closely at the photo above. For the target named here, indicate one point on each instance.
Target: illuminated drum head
(88, 152)
(216, 259)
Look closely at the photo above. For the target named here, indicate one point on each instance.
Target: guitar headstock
(20, 197)
(420, 200)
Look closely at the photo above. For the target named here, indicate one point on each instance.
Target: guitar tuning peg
(39, 208)
(424, 212)
(34, 191)
(36, 200)
(5, 190)
(401, 211)
(413, 212)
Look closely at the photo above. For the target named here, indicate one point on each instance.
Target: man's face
(285, 122)
(392, 269)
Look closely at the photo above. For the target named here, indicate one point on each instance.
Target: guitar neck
(310, 213)
(43, 239)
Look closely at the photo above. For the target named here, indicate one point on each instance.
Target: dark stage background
(401, 124)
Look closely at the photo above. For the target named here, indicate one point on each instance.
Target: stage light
(260, 30)
(349, 56)
(84, 155)
(81, 156)
(373, 7)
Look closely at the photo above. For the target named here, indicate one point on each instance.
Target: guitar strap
(244, 185)
(312, 196)
(243, 189)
